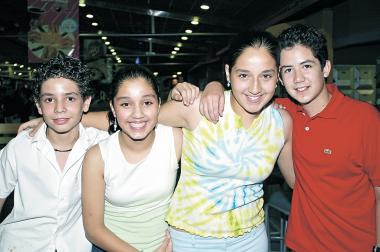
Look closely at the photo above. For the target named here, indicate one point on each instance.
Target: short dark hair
(306, 36)
(254, 39)
(63, 67)
(133, 72)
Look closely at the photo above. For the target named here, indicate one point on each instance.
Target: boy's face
(301, 73)
(61, 105)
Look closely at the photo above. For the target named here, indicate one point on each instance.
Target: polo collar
(333, 107)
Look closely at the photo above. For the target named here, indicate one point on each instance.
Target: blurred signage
(54, 29)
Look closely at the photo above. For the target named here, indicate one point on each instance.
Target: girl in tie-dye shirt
(218, 202)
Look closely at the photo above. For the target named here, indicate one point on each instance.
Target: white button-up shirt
(47, 213)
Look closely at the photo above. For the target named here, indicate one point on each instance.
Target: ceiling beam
(127, 7)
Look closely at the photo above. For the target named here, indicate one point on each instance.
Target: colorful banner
(54, 29)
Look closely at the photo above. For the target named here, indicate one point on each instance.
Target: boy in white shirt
(45, 170)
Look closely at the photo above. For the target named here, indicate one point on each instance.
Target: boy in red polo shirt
(336, 147)
(336, 151)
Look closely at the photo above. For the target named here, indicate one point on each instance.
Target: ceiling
(148, 30)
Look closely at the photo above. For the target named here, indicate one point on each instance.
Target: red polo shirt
(337, 164)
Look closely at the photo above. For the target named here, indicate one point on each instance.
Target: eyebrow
(303, 62)
(66, 94)
(127, 97)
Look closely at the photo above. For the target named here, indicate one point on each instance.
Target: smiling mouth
(60, 121)
(137, 125)
(301, 89)
(253, 98)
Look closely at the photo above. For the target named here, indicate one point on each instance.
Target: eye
(124, 104)
(148, 103)
(286, 70)
(71, 98)
(48, 100)
(243, 76)
(267, 76)
(307, 66)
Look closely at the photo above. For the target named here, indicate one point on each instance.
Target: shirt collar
(332, 109)
(41, 142)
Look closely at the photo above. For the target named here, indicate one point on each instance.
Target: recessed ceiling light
(113, 53)
(15, 64)
(21, 66)
(104, 38)
(184, 38)
(174, 52)
(112, 50)
(205, 7)
(179, 73)
(195, 21)
(155, 73)
(188, 31)
(94, 24)
(107, 42)
(82, 3)
(176, 48)
(174, 75)
(89, 16)
(172, 56)
(179, 44)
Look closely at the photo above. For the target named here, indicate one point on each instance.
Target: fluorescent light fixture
(205, 7)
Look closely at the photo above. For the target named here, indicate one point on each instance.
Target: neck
(136, 145)
(318, 104)
(62, 142)
(246, 117)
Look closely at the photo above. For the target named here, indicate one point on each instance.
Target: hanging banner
(54, 29)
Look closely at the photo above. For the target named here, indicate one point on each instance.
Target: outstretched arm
(285, 159)
(93, 191)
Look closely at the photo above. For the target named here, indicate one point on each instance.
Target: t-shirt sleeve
(8, 171)
(371, 145)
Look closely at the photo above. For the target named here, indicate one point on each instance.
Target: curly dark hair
(66, 67)
(307, 36)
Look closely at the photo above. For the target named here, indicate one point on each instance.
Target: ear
(86, 104)
(326, 69)
(112, 109)
(38, 107)
(227, 70)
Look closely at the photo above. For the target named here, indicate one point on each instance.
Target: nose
(59, 106)
(298, 75)
(254, 87)
(138, 112)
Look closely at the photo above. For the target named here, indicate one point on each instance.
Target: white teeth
(301, 89)
(253, 98)
(137, 125)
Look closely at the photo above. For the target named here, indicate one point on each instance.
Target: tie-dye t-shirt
(223, 166)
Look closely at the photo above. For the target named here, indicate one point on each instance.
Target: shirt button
(307, 128)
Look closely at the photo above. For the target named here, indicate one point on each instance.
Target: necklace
(62, 150)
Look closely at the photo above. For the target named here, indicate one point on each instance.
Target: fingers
(221, 105)
(211, 107)
(185, 92)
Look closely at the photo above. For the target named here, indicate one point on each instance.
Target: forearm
(102, 237)
(97, 120)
